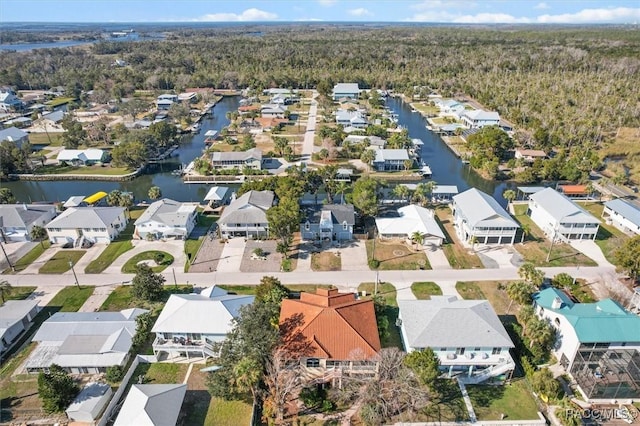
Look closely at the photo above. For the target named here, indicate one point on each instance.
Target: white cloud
(252, 14)
(619, 14)
(431, 5)
(361, 11)
(541, 6)
(327, 2)
(490, 18)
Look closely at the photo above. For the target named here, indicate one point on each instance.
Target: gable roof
(91, 154)
(346, 88)
(86, 217)
(13, 311)
(171, 213)
(600, 322)
(55, 116)
(412, 219)
(251, 207)
(475, 206)
(216, 193)
(480, 114)
(383, 155)
(209, 312)
(623, 208)
(90, 401)
(339, 213)
(251, 154)
(337, 325)
(23, 215)
(12, 134)
(446, 321)
(152, 405)
(561, 208)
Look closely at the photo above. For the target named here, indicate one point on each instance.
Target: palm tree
(155, 192)
(5, 289)
(417, 238)
(526, 230)
(407, 164)
(38, 233)
(367, 157)
(341, 188)
(423, 190)
(401, 192)
(509, 195)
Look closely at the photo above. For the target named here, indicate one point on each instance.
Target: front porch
(179, 347)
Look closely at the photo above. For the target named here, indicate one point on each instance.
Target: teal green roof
(600, 322)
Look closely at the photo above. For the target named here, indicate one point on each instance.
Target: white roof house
(623, 215)
(466, 335)
(247, 215)
(83, 156)
(193, 322)
(96, 224)
(346, 90)
(354, 119)
(15, 317)
(84, 342)
(559, 217)
(152, 405)
(390, 159)
(479, 216)
(17, 220)
(251, 158)
(217, 194)
(88, 405)
(443, 193)
(376, 141)
(480, 118)
(166, 219)
(273, 110)
(412, 218)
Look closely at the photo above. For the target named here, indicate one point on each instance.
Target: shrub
(286, 265)
(313, 396)
(374, 264)
(114, 373)
(258, 251)
(159, 258)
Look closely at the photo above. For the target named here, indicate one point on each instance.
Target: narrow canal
(447, 168)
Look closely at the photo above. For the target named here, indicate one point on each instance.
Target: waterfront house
(192, 325)
(217, 196)
(345, 90)
(340, 333)
(87, 407)
(18, 122)
(374, 141)
(623, 215)
(328, 221)
(188, 97)
(466, 335)
(84, 342)
(93, 224)
(443, 193)
(17, 220)
(479, 118)
(83, 157)
(247, 215)
(165, 101)
(273, 111)
(268, 123)
(574, 191)
(251, 158)
(53, 119)
(449, 107)
(411, 219)
(152, 405)
(561, 218)
(530, 155)
(9, 100)
(390, 159)
(479, 218)
(16, 317)
(15, 135)
(246, 109)
(354, 119)
(166, 219)
(598, 344)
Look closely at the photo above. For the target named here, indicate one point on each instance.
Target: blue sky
(456, 11)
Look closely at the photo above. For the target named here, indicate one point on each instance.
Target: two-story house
(17, 220)
(94, 224)
(623, 215)
(166, 219)
(328, 221)
(15, 135)
(345, 90)
(355, 119)
(479, 118)
(247, 215)
(479, 218)
(251, 158)
(390, 159)
(273, 110)
(165, 101)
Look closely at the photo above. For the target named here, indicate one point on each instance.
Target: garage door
(505, 240)
(493, 240)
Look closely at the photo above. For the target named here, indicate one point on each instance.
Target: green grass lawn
(88, 170)
(59, 263)
(71, 298)
(493, 291)
(60, 101)
(458, 256)
(469, 291)
(19, 293)
(513, 400)
(222, 412)
(52, 139)
(29, 258)
(425, 289)
(108, 255)
(388, 292)
(121, 298)
(130, 266)
(609, 238)
(161, 372)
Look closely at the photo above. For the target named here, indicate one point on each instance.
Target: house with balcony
(411, 219)
(443, 193)
(560, 218)
(623, 215)
(478, 218)
(165, 101)
(16, 317)
(247, 215)
(354, 119)
(92, 224)
(373, 141)
(9, 101)
(328, 222)
(479, 118)
(251, 158)
(598, 344)
(449, 107)
(192, 325)
(390, 159)
(166, 219)
(17, 220)
(273, 111)
(345, 90)
(332, 334)
(529, 155)
(466, 335)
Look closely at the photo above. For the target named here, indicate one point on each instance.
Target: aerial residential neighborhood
(330, 238)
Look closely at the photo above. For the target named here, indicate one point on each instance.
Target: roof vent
(557, 303)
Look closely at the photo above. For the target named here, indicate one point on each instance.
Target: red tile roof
(336, 324)
(247, 108)
(267, 122)
(573, 189)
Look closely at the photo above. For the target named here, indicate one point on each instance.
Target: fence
(108, 412)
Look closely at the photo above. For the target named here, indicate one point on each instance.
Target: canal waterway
(447, 168)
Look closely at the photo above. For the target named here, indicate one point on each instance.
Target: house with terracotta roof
(341, 333)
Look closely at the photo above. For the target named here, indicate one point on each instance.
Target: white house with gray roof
(84, 157)
(561, 218)
(17, 220)
(354, 119)
(411, 219)
(466, 335)
(15, 135)
(94, 224)
(479, 118)
(345, 90)
(84, 342)
(15, 318)
(273, 110)
(251, 158)
(374, 141)
(166, 219)
(623, 215)
(478, 217)
(390, 159)
(191, 324)
(247, 215)
(152, 405)
(328, 221)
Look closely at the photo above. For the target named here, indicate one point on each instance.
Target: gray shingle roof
(629, 211)
(561, 208)
(476, 207)
(169, 212)
(12, 134)
(22, 215)
(86, 217)
(346, 88)
(55, 116)
(447, 322)
(340, 213)
(249, 208)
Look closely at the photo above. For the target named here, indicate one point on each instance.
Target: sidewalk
(97, 298)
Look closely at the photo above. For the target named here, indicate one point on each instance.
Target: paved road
(307, 145)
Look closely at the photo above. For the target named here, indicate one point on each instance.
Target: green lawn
(19, 293)
(130, 266)
(60, 101)
(121, 298)
(161, 373)
(609, 238)
(424, 290)
(59, 263)
(52, 139)
(458, 256)
(71, 298)
(88, 170)
(493, 291)
(29, 258)
(222, 412)
(388, 292)
(469, 291)
(513, 400)
(108, 255)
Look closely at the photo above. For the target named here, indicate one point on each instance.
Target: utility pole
(6, 256)
(74, 273)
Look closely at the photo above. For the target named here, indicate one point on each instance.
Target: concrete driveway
(353, 255)
(591, 250)
(437, 258)
(231, 257)
(174, 247)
